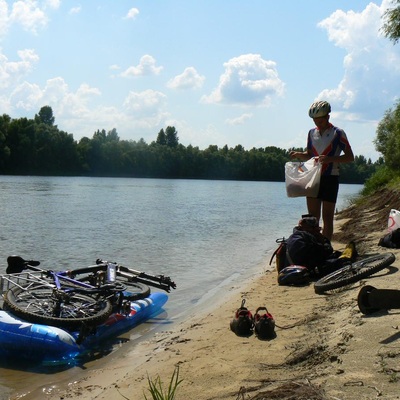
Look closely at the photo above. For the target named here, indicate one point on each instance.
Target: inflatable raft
(51, 345)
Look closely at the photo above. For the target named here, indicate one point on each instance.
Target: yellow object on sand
(350, 251)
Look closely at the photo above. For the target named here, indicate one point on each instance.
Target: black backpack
(304, 248)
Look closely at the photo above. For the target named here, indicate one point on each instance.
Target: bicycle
(354, 272)
(59, 299)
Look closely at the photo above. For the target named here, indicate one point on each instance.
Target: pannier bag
(280, 254)
(302, 178)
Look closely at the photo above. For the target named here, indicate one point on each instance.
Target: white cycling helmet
(319, 109)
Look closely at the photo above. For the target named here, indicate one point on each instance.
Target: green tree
(45, 116)
(171, 136)
(161, 138)
(391, 25)
(21, 142)
(100, 136)
(387, 139)
(112, 136)
(83, 149)
(4, 149)
(37, 146)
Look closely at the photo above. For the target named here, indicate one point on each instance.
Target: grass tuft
(156, 387)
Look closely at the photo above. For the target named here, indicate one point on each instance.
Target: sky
(221, 72)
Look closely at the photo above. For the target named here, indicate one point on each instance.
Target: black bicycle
(74, 299)
(353, 272)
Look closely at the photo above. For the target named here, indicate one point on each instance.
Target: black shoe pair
(263, 324)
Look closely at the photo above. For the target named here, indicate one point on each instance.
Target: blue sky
(222, 72)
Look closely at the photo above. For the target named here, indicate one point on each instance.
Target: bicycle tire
(136, 291)
(35, 304)
(353, 272)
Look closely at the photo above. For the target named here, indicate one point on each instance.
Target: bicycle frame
(66, 277)
(78, 299)
(102, 277)
(63, 287)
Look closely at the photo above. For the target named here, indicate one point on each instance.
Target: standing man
(325, 142)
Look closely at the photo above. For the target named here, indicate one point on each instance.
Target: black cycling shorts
(329, 188)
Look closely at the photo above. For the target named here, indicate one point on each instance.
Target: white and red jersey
(331, 143)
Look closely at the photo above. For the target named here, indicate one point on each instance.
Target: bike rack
(23, 280)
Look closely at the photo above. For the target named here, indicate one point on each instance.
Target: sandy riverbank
(324, 348)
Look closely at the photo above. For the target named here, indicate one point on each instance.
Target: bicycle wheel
(353, 272)
(38, 304)
(136, 291)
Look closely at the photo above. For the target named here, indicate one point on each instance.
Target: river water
(204, 234)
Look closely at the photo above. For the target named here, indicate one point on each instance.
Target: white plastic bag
(303, 178)
(394, 220)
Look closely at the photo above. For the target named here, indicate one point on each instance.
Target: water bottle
(111, 272)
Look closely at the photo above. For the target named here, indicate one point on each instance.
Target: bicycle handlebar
(158, 281)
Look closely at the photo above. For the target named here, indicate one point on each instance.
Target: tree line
(387, 140)
(37, 147)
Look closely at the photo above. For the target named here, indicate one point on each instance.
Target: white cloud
(56, 94)
(4, 23)
(55, 91)
(147, 102)
(132, 13)
(239, 120)
(189, 79)
(75, 10)
(54, 4)
(247, 80)
(12, 72)
(26, 96)
(82, 121)
(28, 56)
(147, 108)
(76, 112)
(5, 105)
(202, 138)
(371, 80)
(29, 15)
(147, 66)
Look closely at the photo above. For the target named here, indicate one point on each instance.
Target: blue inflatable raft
(48, 344)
